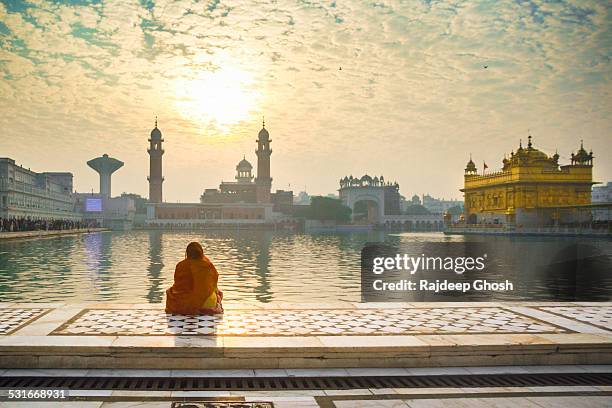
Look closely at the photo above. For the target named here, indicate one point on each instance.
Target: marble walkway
(278, 335)
(527, 396)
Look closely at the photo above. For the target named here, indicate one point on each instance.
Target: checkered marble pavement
(12, 319)
(600, 316)
(321, 322)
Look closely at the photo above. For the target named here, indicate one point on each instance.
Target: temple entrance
(366, 212)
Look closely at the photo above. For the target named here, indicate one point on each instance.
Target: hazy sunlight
(221, 98)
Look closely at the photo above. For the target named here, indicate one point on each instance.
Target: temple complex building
(375, 201)
(602, 198)
(376, 197)
(247, 200)
(439, 206)
(243, 190)
(531, 190)
(249, 189)
(25, 193)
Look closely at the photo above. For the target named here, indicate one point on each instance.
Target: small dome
(582, 157)
(156, 133)
(531, 153)
(263, 133)
(536, 154)
(244, 165)
(471, 167)
(366, 179)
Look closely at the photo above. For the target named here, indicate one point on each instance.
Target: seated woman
(195, 285)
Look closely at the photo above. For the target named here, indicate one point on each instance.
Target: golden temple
(530, 190)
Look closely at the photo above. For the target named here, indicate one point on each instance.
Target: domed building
(370, 198)
(531, 190)
(247, 188)
(246, 201)
(243, 171)
(243, 190)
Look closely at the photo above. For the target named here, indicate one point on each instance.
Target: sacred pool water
(260, 266)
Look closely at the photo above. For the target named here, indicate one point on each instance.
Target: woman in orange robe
(195, 285)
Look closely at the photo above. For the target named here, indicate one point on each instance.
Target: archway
(351, 196)
(366, 211)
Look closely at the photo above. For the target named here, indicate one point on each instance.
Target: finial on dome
(263, 122)
(581, 144)
(529, 143)
(155, 120)
(520, 143)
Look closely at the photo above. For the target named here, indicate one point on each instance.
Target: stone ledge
(41, 336)
(50, 233)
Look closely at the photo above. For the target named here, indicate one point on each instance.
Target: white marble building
(25, 193)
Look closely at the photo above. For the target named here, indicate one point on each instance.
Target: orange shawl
(194, 281)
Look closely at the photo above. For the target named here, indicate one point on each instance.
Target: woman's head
(194, 251)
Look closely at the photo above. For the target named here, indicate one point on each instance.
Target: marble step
(165, 352)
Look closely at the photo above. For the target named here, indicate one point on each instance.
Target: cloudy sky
(411, 101)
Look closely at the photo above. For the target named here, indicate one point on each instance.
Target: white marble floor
(396, 321)
(352, 320)
(295, 336)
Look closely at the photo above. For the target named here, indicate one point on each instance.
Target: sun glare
(220, 98)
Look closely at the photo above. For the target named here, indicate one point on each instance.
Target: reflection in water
(93, 257)
(577, 271)
(537, 268)
(262, 266)
(156, 265)
(262, 256)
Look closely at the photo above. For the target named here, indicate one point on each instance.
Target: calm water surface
(258, 266)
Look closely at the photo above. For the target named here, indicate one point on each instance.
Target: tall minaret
(263, 179)
(155, 165)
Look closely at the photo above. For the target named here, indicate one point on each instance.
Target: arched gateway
(380, 198)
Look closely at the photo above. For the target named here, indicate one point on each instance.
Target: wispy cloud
(390, 87)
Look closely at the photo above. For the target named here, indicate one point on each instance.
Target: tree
(455, 210)
(325, 208)
(416, 209)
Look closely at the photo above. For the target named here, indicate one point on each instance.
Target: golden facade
(530, 190)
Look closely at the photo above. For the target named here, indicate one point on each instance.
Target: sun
(222, 97)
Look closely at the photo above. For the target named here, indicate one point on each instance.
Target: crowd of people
(16, 224)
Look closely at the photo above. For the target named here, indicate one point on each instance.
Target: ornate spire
(155, 120)
(529, 145)
(263, 122)
(471, 166)
(520, 143)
